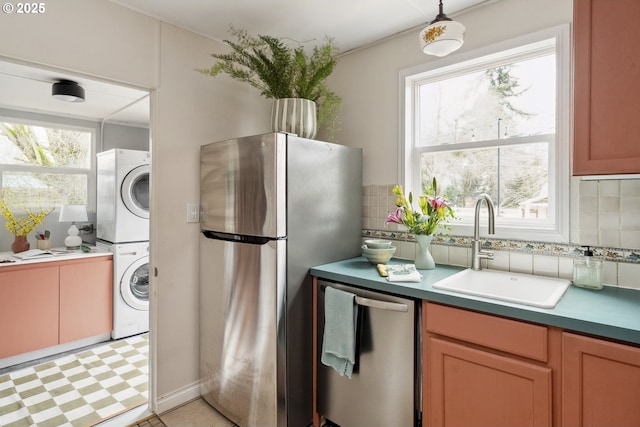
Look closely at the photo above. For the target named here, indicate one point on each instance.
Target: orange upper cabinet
(606, 87)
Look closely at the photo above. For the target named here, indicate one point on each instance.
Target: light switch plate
(193, 212)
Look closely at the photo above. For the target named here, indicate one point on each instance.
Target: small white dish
(378, 243)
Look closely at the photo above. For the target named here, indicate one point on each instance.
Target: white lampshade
(442, 36)
(73, 214)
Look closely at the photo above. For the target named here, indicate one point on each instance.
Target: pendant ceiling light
(442, 36)
(67, 90)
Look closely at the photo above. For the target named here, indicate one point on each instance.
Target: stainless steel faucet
(477, 253)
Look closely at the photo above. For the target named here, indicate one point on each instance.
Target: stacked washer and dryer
(122, 218)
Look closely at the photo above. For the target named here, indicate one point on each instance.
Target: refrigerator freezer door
(242, 186)
(242, 298)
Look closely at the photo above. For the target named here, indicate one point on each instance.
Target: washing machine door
(135, 191)
(134, 285)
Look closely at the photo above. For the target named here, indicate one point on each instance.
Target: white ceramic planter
(294, 115)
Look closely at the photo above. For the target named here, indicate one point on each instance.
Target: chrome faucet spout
(477, 252)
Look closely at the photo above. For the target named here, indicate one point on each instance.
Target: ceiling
(352, 23)
(28, 88)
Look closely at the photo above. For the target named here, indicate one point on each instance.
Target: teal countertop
(612, 312)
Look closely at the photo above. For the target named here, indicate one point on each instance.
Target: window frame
(45, 120)
(409, 153)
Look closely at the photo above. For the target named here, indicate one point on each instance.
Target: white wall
(367, 79)
(100, 39)
(192, 109)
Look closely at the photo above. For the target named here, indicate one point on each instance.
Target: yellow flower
(22, 226)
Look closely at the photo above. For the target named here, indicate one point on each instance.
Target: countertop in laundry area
(57, 254)
(612, 312)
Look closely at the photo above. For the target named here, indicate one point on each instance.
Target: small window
(45, 165)
(495, 122)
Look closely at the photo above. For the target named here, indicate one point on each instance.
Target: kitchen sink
(537, 291)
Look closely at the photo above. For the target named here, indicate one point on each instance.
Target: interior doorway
(119, 118)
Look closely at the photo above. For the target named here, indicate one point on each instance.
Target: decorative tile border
(537, 248)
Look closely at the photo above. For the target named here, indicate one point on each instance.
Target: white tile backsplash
(630, 238)
(440, 254)
(609, 213)
(544, 265)
(565, 268)
(459, 256)
(500, 261)
(521, 263)
(628, 275)
(607, 217)
(610, 273)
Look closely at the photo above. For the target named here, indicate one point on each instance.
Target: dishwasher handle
(382, 305)
(375, 303)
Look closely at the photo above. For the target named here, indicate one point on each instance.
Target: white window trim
(408, 167)
(45, 120)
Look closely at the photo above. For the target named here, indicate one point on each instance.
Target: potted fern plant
(295, 79)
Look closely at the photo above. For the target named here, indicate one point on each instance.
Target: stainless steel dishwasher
(383, 390)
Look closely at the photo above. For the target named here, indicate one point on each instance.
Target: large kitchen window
(495, 121)
(45, 164)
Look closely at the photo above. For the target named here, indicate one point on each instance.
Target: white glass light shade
(73, 214)
(440, 38)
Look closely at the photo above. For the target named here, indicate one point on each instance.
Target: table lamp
(73, 214)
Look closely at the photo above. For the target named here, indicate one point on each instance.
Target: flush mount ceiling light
(442, 36)
(67, 90)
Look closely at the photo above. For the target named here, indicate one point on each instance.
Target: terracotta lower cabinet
(471, 377)
(600, 382)
(46, 304)
(86, 300)
(28, 310)
(484, 370)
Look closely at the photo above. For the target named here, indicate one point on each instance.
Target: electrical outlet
(193, 212)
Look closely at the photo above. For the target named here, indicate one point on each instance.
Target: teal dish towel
(340, 323)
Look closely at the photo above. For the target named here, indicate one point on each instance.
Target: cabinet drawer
(511, 336)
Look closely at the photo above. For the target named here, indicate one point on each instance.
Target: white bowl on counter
(377, 243)
(378, 256)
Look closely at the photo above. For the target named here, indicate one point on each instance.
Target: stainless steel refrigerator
(273, 205)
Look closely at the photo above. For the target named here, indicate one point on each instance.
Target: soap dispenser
(587, 271)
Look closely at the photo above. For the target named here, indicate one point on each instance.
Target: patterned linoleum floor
(77, 390)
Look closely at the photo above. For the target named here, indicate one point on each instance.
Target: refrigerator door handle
(254, 240)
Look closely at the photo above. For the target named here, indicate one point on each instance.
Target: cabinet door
(600, 382)
(470, 387)
(28, 310)
(86, 299)
(606, 87)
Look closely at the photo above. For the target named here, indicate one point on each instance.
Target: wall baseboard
(176, 398)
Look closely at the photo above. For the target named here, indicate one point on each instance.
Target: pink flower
(395, 217)
(438, 202)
